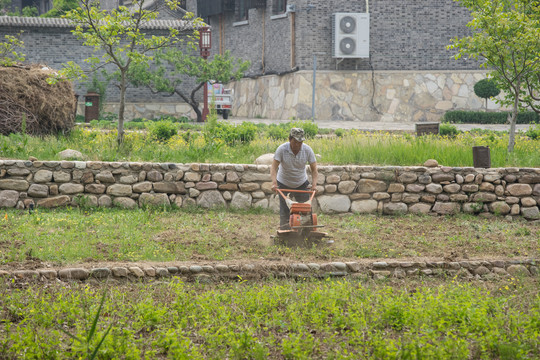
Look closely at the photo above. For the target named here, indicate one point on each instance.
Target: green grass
(346, 319)
(352, 147)
(67, 236)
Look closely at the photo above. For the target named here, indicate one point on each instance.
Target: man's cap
(297, 134)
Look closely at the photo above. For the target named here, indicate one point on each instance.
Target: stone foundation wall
(389, 96)
(341, 189)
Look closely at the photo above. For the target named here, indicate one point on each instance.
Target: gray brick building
(407, 74)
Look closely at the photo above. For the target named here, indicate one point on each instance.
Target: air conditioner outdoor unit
(350, 35)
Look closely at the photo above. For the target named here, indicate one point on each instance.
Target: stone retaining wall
(361, 189)
(471, 269)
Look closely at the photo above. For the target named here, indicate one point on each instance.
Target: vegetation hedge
(481, 117)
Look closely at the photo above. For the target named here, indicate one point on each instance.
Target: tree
(8, 54)
(172, 67)
(119, 42)
(486, 89)
(506, 35)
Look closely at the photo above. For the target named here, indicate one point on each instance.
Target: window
(242, 10)
(279, 7)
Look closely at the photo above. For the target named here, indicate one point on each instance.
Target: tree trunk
(512, 117)
(120, 137)
(191, 103)
(194, 103)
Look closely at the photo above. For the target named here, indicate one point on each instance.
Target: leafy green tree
(172, 67)
(486, 89)
(506, 35)
(8, 51)
(119, 42)
(60, 8)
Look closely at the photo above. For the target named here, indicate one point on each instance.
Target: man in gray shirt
(289, 171)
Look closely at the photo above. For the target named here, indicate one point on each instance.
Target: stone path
(378, 125)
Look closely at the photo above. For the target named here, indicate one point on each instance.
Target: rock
(37, 190)
(241, 200)
(73, 274)
(265, 159)
(434, 188)
(518, 270)
(13, 184)
(8, 198)
(136, 271)
(95, 188)
(440, 177)
(420, 208)
(100, 273)
(61, 176)
(431, 163)
(499, 208)
(120, 271)
(170, 187)
(119, 190)
(142, 187)
(334, 204)
(531, 213)
(124, 202)
(154, 199)
(70, 189)
(394, 208)
(519, 189)
(54, 201)
(70, 154)
(105, 177)
(371, 186)
(444, 208)
(43, 176)
(364, 206)
(210, 198)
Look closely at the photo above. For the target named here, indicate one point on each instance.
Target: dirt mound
(25, 94)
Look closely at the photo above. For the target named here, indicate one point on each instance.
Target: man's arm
(273, 174)
(314, 175)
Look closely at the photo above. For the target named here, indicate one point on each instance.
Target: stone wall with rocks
(429, 189)
(467, 270)
(388, 96)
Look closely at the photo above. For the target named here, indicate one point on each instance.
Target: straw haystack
(25, 93)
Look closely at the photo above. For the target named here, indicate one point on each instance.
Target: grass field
(207, 145)
(347, 319)
(67, 236)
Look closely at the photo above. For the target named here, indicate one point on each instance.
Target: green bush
(162, 130)
(134, 125)
(480, 117)
(533, 133)
(486, 89)
(448, 130)
(94, 123)
(310, 128)
(277, 132)
(79, 119)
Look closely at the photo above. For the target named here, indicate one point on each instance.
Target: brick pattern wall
(404, 35)
(54, 46)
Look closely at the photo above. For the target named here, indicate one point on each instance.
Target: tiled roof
(65, 23)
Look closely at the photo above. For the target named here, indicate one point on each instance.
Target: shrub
(486, 89)
(277, 132)
(339, 132)
(533, 133)
(448, 130)
(310, 128)
(480, 117)
(162, 130)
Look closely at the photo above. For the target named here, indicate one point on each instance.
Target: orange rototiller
(302, 221)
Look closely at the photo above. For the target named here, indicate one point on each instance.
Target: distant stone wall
(341, 189)
(388, 96)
